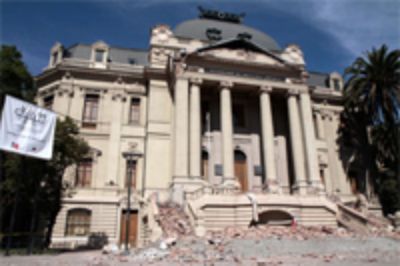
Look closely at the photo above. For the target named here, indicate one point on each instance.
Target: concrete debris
(163, 245)
(181, 245)
(111, 249)
(173, 220)
(148, 255)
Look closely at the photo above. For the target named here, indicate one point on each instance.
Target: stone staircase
(215, 209)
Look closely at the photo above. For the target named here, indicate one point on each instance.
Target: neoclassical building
(217, 117)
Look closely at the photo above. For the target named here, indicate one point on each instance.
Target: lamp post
(129, 156)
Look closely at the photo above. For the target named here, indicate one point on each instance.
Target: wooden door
(241, 170)
(133, 227)
(204, 165)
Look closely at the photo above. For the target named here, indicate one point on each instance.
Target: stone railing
(110, 65)
(352, 219)
(210, 190)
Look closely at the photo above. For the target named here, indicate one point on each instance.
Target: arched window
(78, 222)
(204, 164)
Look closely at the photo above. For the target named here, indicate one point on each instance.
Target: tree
(370, 120)
(15, 78)
(38, 184)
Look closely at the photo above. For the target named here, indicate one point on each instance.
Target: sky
(331, 33)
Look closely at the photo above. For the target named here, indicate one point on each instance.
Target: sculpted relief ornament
(293, 54)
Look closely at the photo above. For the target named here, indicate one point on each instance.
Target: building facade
(213, 108)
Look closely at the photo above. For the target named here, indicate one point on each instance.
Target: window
(238, 115)
(134, 111)
(99, 56)
(131, 171)
(84, 173)
(48, 102)
(90, 110)
(336, 84)
(54, 58)
(78, 222)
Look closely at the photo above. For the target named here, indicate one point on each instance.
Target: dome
(208, 29)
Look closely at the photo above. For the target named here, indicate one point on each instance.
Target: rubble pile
(281, 232)
(298, 232)
(173, 221)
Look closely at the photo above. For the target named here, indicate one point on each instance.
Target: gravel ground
(196, 251)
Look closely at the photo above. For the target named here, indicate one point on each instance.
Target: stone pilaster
(117, 101)
(320, 125)
(267, 131)
(296, 141)
(195, 128)
(181, 139)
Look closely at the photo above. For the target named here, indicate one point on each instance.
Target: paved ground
(195, 251)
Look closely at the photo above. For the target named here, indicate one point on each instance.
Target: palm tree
(370, 120)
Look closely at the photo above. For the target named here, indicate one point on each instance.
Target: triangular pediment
(240, 50)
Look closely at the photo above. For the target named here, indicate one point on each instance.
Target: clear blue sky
(330, 32)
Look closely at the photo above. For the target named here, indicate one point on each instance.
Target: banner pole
(12, 221)
(33, 219)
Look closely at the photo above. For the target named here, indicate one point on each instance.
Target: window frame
(134, 114)
(54, 60)
(131, 171)
(83, 178)
(46, 102)
(78, 219)
(96, 53)
(90, 110)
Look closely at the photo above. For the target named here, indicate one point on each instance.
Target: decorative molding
(118, 95)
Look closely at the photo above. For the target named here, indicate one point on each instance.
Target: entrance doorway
(133, 227)
(241, 169)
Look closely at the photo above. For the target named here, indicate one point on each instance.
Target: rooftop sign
(218, 15)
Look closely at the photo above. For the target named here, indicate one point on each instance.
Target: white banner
(27, 129)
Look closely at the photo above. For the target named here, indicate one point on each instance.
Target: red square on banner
(15, 145)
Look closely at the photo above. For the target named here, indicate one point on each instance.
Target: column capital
(266, 89)
(303, 92)
(225, 84)
(196, 81)
(292, 92)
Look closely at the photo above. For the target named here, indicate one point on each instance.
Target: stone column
(309, 141)
(267, 131)
(227, 132)
(195, 128)
(181, 152)
(320, 125)
(296, 142)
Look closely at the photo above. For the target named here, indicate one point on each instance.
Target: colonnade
(187, 132)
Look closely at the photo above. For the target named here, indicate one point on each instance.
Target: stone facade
(226, 114)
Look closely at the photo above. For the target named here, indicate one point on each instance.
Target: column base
(301, 188)
(273, 187)
(317, 188)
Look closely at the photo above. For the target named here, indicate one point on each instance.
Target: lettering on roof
(222, 16)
